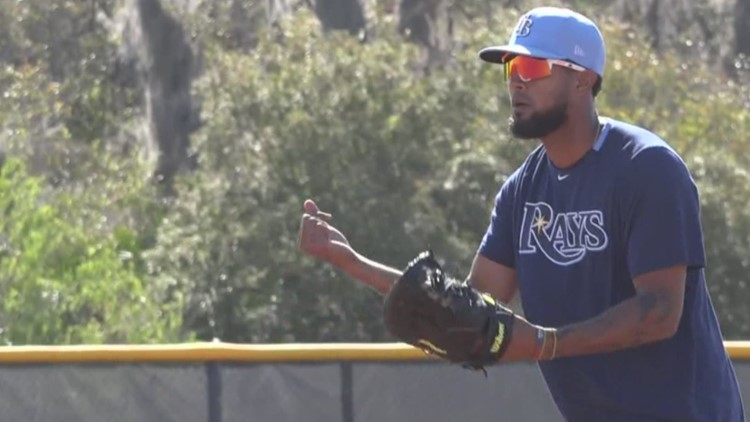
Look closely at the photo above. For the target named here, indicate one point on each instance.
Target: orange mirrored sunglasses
(530, 68)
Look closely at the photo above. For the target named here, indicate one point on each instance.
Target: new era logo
(578, 51)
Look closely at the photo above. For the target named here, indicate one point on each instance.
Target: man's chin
(523, 128)
(537, 125)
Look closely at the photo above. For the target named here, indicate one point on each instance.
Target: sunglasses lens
(527, 68)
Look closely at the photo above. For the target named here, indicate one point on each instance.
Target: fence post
(347, 395)
(213, 391)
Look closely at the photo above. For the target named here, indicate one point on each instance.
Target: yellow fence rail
(217, 351)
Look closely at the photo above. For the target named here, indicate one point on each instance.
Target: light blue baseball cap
(553, 33)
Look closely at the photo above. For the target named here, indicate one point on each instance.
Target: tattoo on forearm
(655, 306)
(615, 330)
(646, 304)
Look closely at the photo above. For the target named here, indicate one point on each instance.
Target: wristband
(546, 339)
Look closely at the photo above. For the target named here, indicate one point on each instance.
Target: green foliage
(61, 284)
(353, 126)
(76, 273)
(64, 100)
(404, 158)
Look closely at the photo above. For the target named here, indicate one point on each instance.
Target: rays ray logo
(524, 26)
(564, 238)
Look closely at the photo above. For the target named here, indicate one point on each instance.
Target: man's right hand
(318, 238)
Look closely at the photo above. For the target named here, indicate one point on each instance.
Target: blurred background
(156, 153)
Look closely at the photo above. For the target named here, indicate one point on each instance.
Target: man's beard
(540, 124)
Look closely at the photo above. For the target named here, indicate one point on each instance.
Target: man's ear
(585, 81)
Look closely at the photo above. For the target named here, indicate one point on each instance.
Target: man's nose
(515, 83)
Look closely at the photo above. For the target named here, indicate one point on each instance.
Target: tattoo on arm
(634, 322)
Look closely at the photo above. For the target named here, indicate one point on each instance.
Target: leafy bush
(404, 157)
(63, 284)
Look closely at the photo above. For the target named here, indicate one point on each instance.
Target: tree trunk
(248, 17)
(663, 20)
(718, 30)
(428, 23)
(345, 15)
(742, 27)
(168, 74)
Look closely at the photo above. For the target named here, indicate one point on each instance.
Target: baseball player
(599, 232)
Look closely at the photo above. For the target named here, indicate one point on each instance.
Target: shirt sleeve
(663, 219)
(497, 243)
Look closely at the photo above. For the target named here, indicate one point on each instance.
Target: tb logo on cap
(524, 26)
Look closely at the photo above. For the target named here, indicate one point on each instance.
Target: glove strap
(501, 338)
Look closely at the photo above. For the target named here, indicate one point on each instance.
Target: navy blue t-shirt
(577, 238)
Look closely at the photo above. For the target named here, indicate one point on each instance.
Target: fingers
(314, 231)
(312, 208)
(306, 228)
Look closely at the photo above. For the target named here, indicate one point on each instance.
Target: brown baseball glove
(442, 316)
